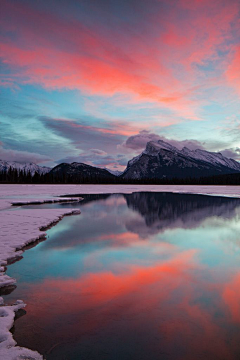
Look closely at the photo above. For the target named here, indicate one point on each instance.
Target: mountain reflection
(161, 211)
(167, 210)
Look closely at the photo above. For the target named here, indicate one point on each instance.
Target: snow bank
(18, 229)
(46, 201)
(8, 350)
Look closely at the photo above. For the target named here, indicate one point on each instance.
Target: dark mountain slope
(162, 160)
(80, 172)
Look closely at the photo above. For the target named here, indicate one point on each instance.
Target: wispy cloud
(109, 72)
(22, 156)
(162, 66)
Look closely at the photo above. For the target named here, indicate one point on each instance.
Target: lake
(140, 276)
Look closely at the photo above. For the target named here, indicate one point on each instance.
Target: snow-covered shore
(18, 229)
(21, 227)
(10, 193)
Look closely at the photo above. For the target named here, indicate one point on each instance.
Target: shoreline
(12, 253)
(44, 192)
(31, 225)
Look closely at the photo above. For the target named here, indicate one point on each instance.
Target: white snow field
(21, 227)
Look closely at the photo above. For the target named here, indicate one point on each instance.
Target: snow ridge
(114, 172)
(211, 157)
(214, 158)
(163, 160)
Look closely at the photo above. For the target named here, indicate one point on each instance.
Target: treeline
(14, 176)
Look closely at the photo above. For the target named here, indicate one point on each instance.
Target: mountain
(114, 172)
(5, 166)
(212, 157)
(81, 172)
(159, 162)
(162, 160)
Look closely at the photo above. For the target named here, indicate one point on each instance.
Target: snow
(12, 192)
(114, 172)
(133, 161)
(8, 350)
(45, 201)
(5, 165)
(20, 227)
(211, 157)
(155, 146)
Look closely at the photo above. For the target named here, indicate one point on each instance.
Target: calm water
(141, 276)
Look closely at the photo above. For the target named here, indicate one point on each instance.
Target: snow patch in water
(8, 350)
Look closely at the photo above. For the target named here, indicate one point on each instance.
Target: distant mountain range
(5, 166)
(160, 160)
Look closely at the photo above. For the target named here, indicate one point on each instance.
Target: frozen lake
(135, 276)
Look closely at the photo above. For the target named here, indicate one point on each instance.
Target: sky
(94, 80)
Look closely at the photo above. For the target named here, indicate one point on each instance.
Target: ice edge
(8, 348)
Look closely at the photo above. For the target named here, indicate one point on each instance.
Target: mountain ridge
(27, 166)
(160, 159)
(81, 171)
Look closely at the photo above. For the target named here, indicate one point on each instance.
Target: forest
(14, 176)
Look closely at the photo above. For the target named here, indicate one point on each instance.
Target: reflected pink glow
(99, 300)
(231, 295)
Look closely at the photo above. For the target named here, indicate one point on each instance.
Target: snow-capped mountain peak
(5, 165)
(214, 158)
(161, 159)
(155, 146)
(114, 172)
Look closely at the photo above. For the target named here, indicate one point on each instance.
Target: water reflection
(138, 276)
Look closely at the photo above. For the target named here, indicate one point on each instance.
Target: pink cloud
(61, 54)
(233, 71)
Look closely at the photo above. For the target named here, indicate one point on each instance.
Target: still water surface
(142, 276)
